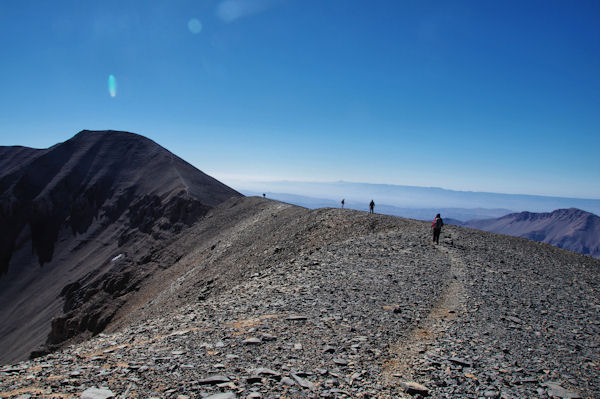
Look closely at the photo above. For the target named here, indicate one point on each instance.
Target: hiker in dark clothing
(371, 206)
(436, 227)
(342, 203)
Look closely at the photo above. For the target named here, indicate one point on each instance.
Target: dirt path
(409, 349)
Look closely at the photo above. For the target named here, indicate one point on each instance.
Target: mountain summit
(68, 210)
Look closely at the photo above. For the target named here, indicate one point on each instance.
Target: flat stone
(304, 383)
(11, 370)
(460, 361)
(514, 319)
(252, 341)
(340, 362)
(528, 380)
(96, 393)
(339, 391)
(268, 337)
(288, 381)
(254, 379)
(296, 317)
(554, 389)
(224, 395)
(213, 380)
(414, 388)
(265, 371)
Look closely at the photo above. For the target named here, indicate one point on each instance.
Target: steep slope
(571, 229)
(67, 211)
(273, 300)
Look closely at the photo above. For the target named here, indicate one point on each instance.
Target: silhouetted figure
(436, 227)
(264, 195)
(342, 203)
(371, 206)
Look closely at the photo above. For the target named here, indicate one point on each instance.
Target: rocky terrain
(571, 229)
(272, 300)
(79, 224)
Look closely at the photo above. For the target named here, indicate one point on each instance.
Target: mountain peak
(64, 210)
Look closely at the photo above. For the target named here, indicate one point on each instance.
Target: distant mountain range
(571, 229)
(411, 197)
(79, 224)
(460, 214)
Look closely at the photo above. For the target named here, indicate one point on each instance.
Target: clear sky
(500, 96)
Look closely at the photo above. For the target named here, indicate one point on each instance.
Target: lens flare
(112, 85)
(194, 26)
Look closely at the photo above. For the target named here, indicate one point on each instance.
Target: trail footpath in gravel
(406, 352)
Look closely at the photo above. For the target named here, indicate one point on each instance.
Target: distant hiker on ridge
(371, 206)
(342, 203)
(436, 226)
(264, 195)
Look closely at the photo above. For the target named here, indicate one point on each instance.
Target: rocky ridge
(286, 302)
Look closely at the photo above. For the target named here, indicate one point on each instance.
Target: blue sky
(466, 95)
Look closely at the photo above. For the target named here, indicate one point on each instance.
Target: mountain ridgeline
(571, 229)
(67, 209)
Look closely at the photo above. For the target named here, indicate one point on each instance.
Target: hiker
(342, 203)
(371, 206)
(436, 226)
(264, 195)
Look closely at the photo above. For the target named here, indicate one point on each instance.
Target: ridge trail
(422, 339)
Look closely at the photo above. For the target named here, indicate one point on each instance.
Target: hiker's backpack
(437, 224)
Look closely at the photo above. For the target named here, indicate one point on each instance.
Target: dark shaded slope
(97, 175)
(66, 211)
(571, 229)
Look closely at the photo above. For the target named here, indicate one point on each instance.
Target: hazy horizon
(414, 197)
(243, 183)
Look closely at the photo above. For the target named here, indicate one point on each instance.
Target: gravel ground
(279, 301)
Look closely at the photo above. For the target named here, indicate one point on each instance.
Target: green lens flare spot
(112, 85)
